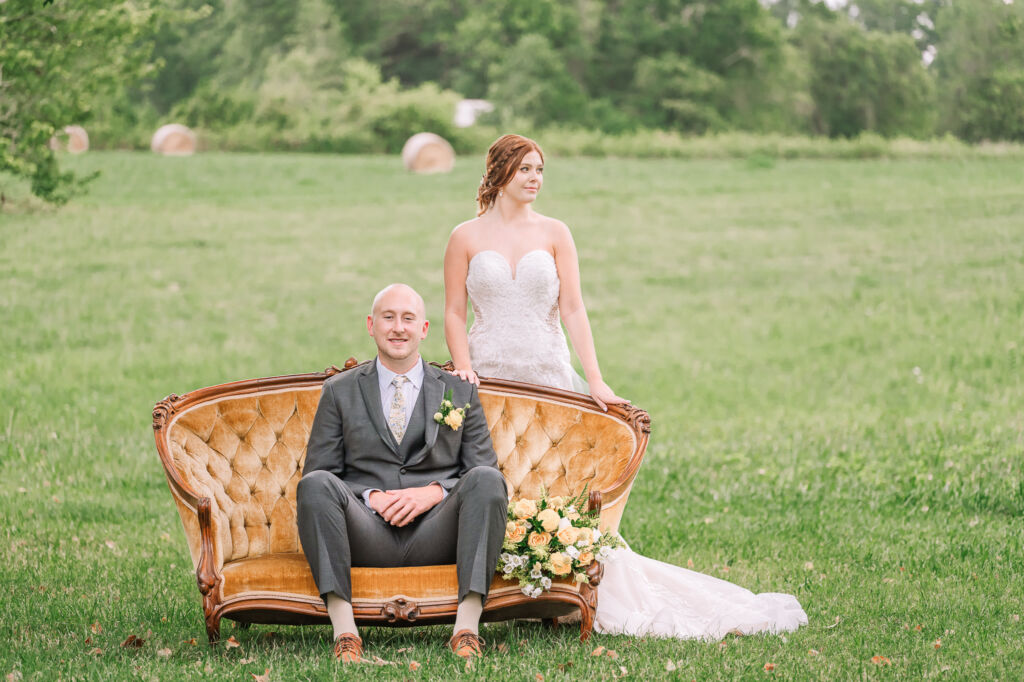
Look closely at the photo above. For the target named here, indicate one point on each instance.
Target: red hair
(503, 159)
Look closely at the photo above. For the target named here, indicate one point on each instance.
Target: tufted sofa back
(243, 446)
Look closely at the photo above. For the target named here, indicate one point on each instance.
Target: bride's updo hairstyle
(503, 159)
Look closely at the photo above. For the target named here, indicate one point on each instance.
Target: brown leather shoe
(348, 648)
(466, 644)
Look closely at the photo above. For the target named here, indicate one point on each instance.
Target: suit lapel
(433, 394)
(369, 386)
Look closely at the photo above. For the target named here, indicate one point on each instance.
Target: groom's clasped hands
(402, 507)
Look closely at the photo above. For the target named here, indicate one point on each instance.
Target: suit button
(402, 470)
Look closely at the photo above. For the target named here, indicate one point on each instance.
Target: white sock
(342, 618)
(467, 617)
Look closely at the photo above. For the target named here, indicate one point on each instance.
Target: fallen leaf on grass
(598, 651)
(829, 627)
(88, 640)
(1015, 618)
(110, 544)
(14, 676)
(813, 652)
(502, 647)
(414, 666)
(232, 643)
(246, 661)
(165, 536)
(265, 677)
(565, 666)
(768, 667)
(96, 628)
(191, 641)
(689, 563)
(611, 653)
(880, 660)
(623, 672)
(539, 677)
(377, 660)
(96, 652)
(163, 653)
(133, 642)
(938, 644)
(404, 649)
(888, 581)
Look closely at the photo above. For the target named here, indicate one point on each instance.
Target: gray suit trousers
(338, 531)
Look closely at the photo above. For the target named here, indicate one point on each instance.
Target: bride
(520, 272)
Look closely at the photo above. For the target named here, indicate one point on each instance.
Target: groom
(386, 485)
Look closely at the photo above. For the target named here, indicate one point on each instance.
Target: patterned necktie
(396, 418)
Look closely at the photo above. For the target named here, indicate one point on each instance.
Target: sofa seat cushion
(288, 574)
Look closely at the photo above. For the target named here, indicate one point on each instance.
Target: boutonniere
(448, 414)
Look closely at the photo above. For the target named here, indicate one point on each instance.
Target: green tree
(532, 83)
(56, 60)
(980, 67)
(865, 80)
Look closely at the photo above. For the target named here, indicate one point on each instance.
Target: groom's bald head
(401, 289)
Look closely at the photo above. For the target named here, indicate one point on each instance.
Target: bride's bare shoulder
(554, 228)
(464, 231)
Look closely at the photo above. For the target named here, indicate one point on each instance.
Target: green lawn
(832, 353)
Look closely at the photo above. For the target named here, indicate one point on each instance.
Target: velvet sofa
(233, 456)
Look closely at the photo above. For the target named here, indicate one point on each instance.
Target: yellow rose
(567, 535)
(538, 539)
(561, 564)
(454, 420)
(581, 578)
(548, 519)
(586, 558)
(524, 509)
(555, 502)
(585, 534)
(515, 531)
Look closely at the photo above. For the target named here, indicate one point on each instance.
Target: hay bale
(77, 140)
(428, 153)
(173, 139)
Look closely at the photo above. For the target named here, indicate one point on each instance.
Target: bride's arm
(574, 316)
(456, 267)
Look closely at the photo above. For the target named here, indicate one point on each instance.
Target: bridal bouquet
(549, 539)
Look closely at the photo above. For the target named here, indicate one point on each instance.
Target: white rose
(572, 552)
(545, 582)
(564, 523)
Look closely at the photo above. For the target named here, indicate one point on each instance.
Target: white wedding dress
(517, 334)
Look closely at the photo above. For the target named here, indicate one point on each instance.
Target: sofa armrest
(208, 567)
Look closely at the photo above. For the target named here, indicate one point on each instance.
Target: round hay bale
(428, 153)
(173, 139)
(78, 140)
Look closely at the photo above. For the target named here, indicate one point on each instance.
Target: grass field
(831, 352)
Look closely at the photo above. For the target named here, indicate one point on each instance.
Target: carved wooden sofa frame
(233, 457)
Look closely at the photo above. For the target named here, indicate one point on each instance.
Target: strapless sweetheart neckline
(512, 269)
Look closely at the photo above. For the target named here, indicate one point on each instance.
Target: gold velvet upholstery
(241, 447)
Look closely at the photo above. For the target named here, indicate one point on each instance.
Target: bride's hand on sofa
(604, 396)
(467, 375)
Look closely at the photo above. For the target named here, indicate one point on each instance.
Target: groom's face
(397, 325)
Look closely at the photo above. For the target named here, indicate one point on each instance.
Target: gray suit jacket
(350, 437)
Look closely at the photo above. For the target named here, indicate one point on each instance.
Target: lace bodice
(516, 332)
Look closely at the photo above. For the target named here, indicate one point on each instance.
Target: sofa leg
(213, 628)
(586, 623)
(551, 623)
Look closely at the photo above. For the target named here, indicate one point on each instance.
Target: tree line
(349, 75)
